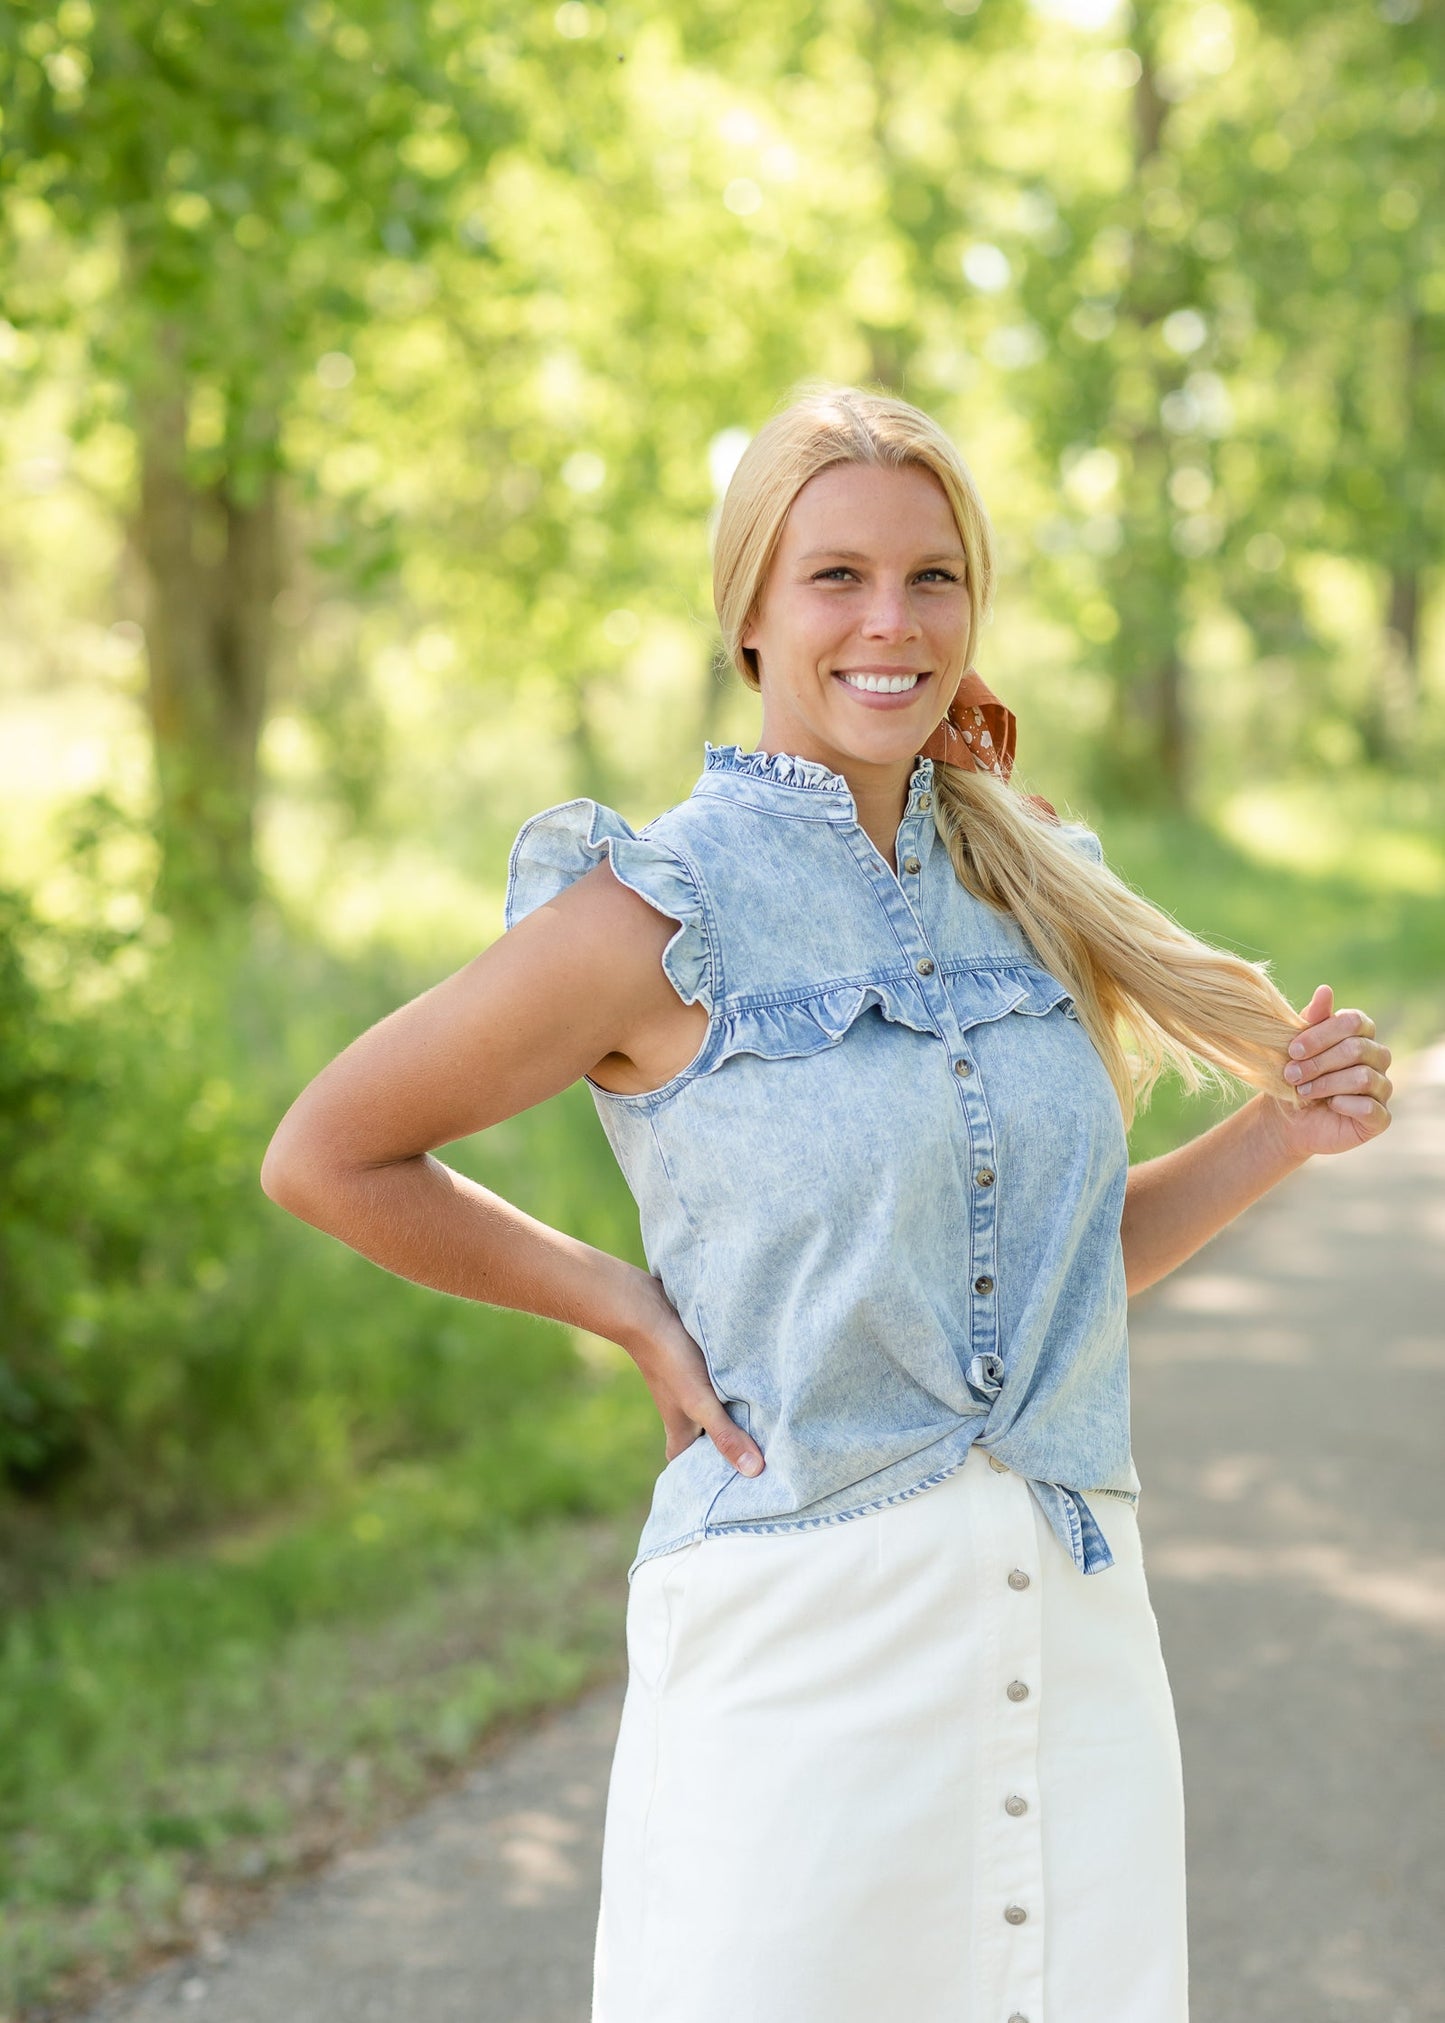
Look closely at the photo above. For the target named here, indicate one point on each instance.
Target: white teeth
(882, 684)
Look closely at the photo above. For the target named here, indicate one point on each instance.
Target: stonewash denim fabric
(884, 1196)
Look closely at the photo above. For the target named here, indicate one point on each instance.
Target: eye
(840, 569)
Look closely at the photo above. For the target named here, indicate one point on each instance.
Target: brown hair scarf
(981, 732)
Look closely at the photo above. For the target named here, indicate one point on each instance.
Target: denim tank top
(885, 1194)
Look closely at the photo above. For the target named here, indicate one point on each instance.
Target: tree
(1342, 202)
(237, 172)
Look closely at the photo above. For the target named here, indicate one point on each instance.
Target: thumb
(1320, 1006)
(730, 1440)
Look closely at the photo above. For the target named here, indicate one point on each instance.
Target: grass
(181, 1731)
(179, 1739)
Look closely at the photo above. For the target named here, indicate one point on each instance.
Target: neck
(879, 788)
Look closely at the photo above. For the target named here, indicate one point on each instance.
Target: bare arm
(1174, 1204)
(575, 982)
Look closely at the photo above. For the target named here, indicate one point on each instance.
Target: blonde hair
(1128, 965)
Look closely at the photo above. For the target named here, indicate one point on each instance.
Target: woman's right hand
(675, 1371)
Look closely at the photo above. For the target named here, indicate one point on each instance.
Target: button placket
(981, 1180)
(979, 1176)
(1014, 1852)
(982, 1172)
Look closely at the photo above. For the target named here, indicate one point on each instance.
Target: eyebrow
(854, 555)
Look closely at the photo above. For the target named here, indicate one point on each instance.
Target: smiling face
(862, 629)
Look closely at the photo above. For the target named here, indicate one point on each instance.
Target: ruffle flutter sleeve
(557, 846)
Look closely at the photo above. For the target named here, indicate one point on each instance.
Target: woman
(897, 1740)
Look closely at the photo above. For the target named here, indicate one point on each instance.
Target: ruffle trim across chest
(560, 844)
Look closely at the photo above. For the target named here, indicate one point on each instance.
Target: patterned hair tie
(980, 733)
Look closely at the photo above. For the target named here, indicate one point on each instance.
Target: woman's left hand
(1338, 1067)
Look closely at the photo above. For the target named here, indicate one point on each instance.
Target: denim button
(984, 1176)
(1015, 1914)
(1015, 1806)
(1017, 1690)
(1018, 1579)
(912, 864)
(924, 965)
(963, 1067)
(1001, 1466)
(924, 800)
(984, 1284)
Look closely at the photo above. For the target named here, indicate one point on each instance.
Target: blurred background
(371, 374)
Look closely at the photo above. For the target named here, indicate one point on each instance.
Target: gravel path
(1288, 1431)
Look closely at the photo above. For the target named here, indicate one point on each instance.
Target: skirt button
(1001, 1466)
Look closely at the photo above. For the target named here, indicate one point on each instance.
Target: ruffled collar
(783, 769)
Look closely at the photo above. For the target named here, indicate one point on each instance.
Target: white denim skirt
(912, 1767)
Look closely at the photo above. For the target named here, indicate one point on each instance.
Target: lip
(873, 699)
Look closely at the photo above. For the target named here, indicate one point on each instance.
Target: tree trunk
(1160, 769)
(1391, 714)
(1172, 729)
(1403, 621)
(212, 560)
(591, 772)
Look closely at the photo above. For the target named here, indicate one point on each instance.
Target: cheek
(807, 633)
(947, 629)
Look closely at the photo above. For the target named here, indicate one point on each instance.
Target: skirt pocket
(656, 1598)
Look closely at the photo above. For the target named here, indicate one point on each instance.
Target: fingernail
(750, 1464)
(1296, 1047)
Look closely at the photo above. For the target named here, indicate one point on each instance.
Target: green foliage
(251, 162)
(192, 1719)
(491, 288)
(174, 1346)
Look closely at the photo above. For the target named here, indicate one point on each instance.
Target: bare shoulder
(574, 987)
(599, 929)
(605, 939)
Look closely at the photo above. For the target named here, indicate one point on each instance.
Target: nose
(890, 613)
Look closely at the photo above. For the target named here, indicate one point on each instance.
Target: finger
(1314, 1014)
(1353, 1020)
(1342, 1026)
(1360, 1080)
(728, 1438)
(1345, 1053)
(1364, 1107)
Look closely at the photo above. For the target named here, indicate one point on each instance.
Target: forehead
(865, 506)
